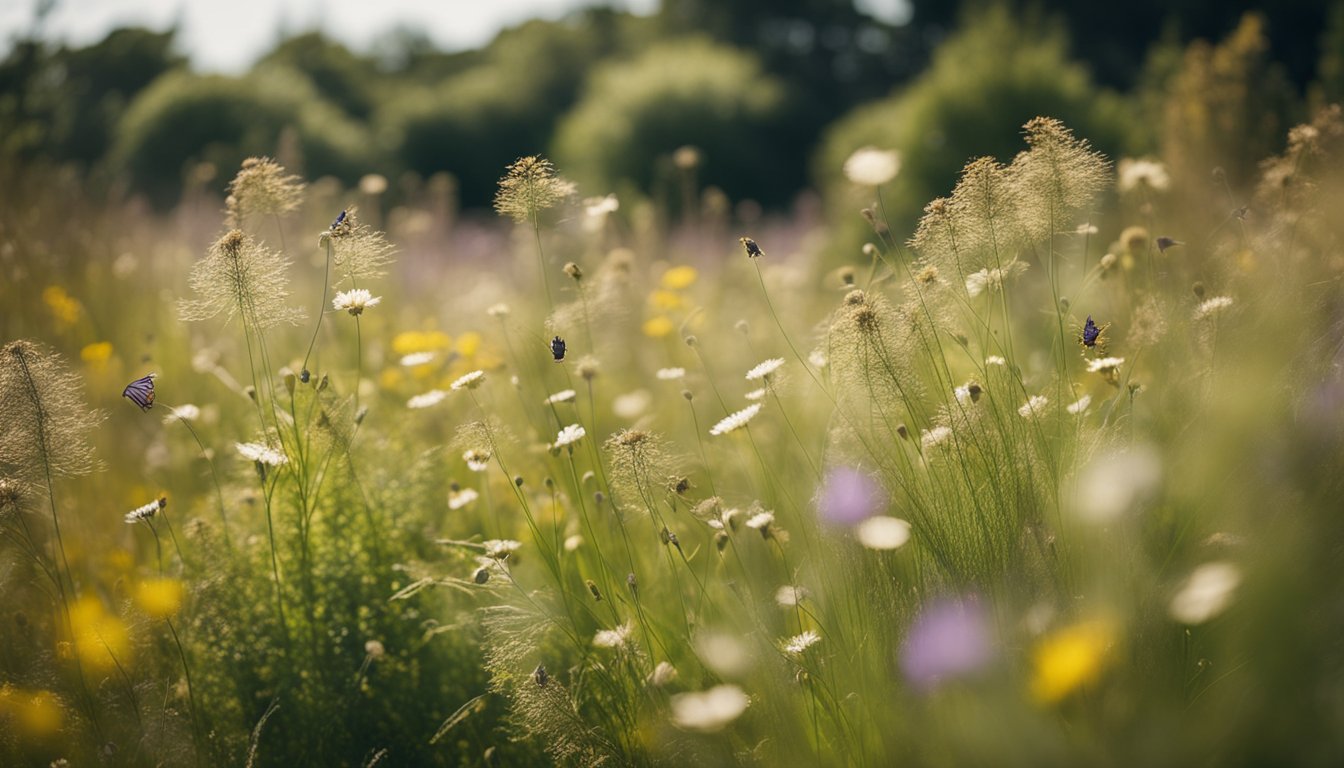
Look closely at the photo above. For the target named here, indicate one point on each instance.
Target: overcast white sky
(228, 35)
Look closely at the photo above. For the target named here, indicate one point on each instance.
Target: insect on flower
(339, 220)
(558, 349)
(1093, 336)
(753, 250)
(141, 391)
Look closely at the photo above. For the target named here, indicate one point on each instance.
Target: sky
(228, 35)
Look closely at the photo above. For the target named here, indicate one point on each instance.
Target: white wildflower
(995, 360)
(790, 595)
(497, 549)
(756, 394)
(1131, 173)
(1105, 364)
(462, 498)
(1206, 593)
(671, 374)
(262, 454)
(1114, 483)
(765, 369)
(735, 421)
(1080, 405)
(798, 644)
(573, 542)
(993, 279)
(882, 532)
(761, 521)
(873, 167)
(614, 638)
(563, 396)
(663, 674)
(417, 358)
(146, 512)
(478, 459)
(569, 435)
(432, 397)
(498, 310)
(817, 358)
(1087, 228)
(632, 405)
(355, 301)
(469, 381)
(710, 710)
(185, 412)
(1034, 407)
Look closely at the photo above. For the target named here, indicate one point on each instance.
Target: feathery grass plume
(530, 187)
(978, 227)
(239, 276)
(44, 421)
(262, 187)
(1058, 177)
(638, 462)
(867, 350)
(358, 251)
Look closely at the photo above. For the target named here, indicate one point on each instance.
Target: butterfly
(339, 220)
(558, 349)
(141, 391)
(1093, 336)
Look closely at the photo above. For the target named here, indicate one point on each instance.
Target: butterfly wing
(141, 392)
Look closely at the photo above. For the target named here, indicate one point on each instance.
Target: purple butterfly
(141, 392)
(1090, 333)
(339, 220)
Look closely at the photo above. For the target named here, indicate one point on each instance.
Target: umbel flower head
(529, 187)
(359, 251)
(44, 422)
(239, 276)
(263, 187)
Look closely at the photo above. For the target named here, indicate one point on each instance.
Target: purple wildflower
(950, 639)
(848, 496)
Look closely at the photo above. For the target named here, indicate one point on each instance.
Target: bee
(558, 349)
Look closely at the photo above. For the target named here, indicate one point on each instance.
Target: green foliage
(343, 78)
(184, 119)
(988, 79)
(635, 114)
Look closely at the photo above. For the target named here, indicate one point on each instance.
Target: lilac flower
(848, 496)
(950, 639)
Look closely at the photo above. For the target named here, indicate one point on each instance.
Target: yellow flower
(390, 378)
(468, 344)
(101, 639)
(665, 300)
(64, 307)
(37, 714)
(407, 342)
(159, 598)
(678, 278)
(658, 327)
(96, 354)
(1071, 658)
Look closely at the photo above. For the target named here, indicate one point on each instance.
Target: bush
(182, 119)
(690, 92)
(985, 81)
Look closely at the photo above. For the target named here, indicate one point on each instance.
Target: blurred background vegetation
(773, 94)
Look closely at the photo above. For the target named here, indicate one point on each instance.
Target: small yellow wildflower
(390, 378)
(665, 300)
(677, 278)
(96, 354)
(159, 598)
(1071, 658)
(36, 714)
(100, 638)
(468, 344)
(658, 327)
(64, 308)
(408, 342)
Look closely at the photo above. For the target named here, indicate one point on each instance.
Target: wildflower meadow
(311, 473)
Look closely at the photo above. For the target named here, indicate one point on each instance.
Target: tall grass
(1048, 479)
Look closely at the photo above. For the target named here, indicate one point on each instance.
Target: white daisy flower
(146, 512)
(817, 358)
(432, 397)
(478, 459)
(872, 167)
(1206, 593)
(631, 405)
(563, 396)
(756, 394)
(995, 360)
(932, 438)
(417, 358)
(185, 412)
(497, 549)
(735, 421)
(262, 454)
(671, 374)
(663, 674)
(882, 532)
(1133, 172)
(469, 381)
(1105, 364)
(569, 435)
(355, 301)
(760, 521)
(462, 498)
(614, 638)
(709, 711)
(765, 369)
(790, 595)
